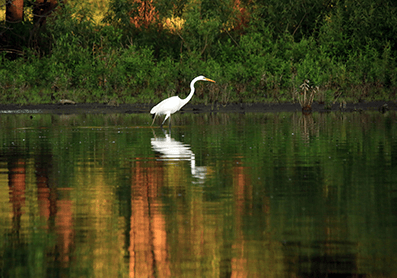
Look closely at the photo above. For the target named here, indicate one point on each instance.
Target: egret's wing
(171, 105)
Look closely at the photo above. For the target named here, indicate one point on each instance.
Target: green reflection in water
(264, 195)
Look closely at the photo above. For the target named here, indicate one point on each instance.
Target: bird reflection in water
(173, 150)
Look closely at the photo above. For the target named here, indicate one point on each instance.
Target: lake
(218, 195)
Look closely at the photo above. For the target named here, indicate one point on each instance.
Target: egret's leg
(154, 118)
(169, 122)
(166, 117)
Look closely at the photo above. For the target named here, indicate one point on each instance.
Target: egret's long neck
(189, 97)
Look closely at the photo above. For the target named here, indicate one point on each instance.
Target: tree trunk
(14, 11)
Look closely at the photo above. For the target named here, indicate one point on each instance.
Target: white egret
(173, 104)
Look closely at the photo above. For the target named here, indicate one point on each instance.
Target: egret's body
(173, 104)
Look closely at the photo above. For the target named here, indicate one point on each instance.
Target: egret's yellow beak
(210, 80)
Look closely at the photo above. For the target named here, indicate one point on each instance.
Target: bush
(255, 51)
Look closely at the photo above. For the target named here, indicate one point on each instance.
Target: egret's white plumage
(173, 104)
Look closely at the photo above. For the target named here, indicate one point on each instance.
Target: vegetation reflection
(228, 194)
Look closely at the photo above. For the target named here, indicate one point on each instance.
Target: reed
(307, 94)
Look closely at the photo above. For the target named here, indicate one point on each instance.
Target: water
(219, 195)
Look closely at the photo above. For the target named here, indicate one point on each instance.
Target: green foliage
(281, 45)
(298, 18)
(351, 25)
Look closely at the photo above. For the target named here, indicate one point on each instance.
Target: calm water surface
(219, 195)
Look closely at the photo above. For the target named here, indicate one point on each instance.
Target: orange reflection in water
(242, 193)
(64, 230)
(17, 175)
(243, 263)
(47, 205)
(46, 195)
(148, 237)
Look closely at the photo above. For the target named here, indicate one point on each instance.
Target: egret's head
(203, 78)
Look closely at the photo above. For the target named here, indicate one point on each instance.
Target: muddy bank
(381, 106)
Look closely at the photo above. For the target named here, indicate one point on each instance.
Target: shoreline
(97, 108)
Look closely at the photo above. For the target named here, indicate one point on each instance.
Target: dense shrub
(255, 50)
